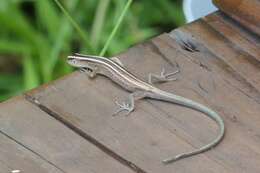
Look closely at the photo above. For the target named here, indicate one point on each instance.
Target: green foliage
(37, 35)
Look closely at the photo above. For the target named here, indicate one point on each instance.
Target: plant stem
(63, 32)
(76, 26)
(99, 22)
(111, 36)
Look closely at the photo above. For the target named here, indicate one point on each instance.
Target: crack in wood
(201, 64)
(187, 43)
(81, 133)
(188, 46)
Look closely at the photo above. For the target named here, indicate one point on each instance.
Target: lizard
(139, 89)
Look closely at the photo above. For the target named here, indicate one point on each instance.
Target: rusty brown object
(247, 12)
(67, 126)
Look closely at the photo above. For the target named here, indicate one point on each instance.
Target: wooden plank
(244, 11)
(243, 64)
(235, 59)
(215, 55)
(237, 36)
(219, 68)
(141, 138)
(49, 140)
(14, 156)
(202, 82)
(4, 168)
(210, 74)
(136, 134)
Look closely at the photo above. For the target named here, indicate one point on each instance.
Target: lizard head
(86, 63)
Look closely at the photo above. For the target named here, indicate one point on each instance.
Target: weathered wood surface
(33, 141)
(66, 126)
(246, 12)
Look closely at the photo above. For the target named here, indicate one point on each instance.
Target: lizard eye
(74, 61)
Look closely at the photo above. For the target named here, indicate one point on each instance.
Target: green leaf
(13, 20)
(64, 32)
(8, 46)
(98, 23)
(113, 33)
(31, 77)
(10, 85)
(172, 10)
(84, 36)
(47, 16)
(10, 82)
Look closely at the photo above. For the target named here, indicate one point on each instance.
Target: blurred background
(36, 36)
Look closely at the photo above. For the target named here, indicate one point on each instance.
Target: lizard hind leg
(129, 104)
(163, 77)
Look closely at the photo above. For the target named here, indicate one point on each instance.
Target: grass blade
(172, 10)
(25, 30)
(31, 79)
(12, 47)
(99, 22)
(113, 33)
(82, 34)
(10, 82)
(64, 32)
(51, 20)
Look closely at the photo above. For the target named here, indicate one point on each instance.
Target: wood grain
(217, 69)
(54, 147)
(245, 12)
(234, 33)
(140, 138)
(14, 156)
(69, 122)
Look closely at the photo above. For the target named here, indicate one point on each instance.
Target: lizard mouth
(87, 69)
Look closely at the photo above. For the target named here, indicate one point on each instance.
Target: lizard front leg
(129, 104)
(90, 73)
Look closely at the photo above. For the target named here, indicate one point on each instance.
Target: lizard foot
(129, 105)
(125, 106)
(163, 77)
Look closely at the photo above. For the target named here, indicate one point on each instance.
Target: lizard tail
(169, 97)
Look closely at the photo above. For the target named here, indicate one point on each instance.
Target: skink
(139, 89)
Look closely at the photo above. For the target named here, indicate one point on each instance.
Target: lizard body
(99, 65)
